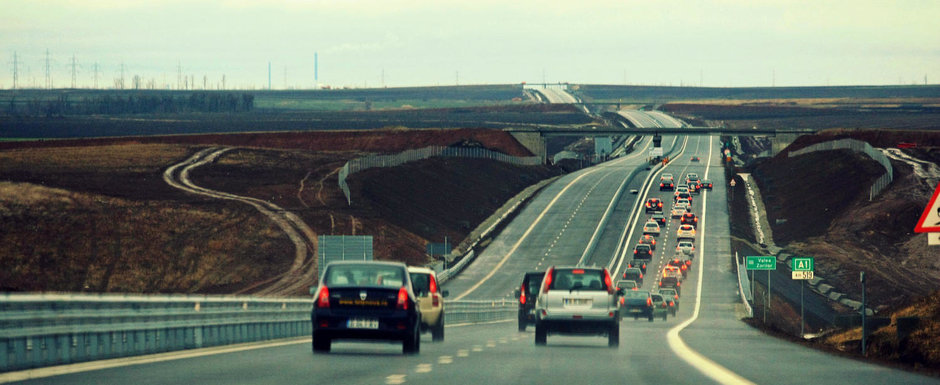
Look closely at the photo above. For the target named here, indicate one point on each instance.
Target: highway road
(705, 343)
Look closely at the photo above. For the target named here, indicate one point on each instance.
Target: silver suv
(580, 301)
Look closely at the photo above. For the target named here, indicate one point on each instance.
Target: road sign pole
(766, 302)
(802, 285)
(753, 284)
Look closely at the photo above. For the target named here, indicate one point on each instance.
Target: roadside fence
(857, 146)
(359, 164)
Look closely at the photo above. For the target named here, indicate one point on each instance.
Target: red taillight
(402, 299)
(622, 301)
(433, 284)
(522, 295)
(323, 297)
(608, 282)
(577, 271)
(677, 297)
(435, 300)
(636, 289)
(649, 302)
(634, 251)
(641, 275)
(548, 279)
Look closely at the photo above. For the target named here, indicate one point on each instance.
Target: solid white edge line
(708, 367)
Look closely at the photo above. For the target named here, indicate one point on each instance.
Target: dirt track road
(302, 270)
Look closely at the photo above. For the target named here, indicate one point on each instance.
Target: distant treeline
(134, 103)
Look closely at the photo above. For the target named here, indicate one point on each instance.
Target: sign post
(761, 262)
(802, 270)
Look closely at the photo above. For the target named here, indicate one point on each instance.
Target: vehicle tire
(541, 337)
(613, 336)
(651, 316)
(412, 342)
(523, 322)
(321, 343)
(636, 317)
(664, 316)
(437, 333)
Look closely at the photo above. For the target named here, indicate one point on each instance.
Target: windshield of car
(578, 279)
(364, 275)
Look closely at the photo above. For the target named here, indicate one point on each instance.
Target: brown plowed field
(95, 215)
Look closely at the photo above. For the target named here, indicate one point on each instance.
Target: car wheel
(651, 317)
(437, 333)
(412, 342)
(321, 343)
(541, 336)
(523, 322)
(636, 317)
(664, 315)
(613, 336)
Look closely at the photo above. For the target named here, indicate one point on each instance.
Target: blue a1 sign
(930, 220)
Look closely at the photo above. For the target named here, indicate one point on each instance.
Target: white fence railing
(359, 164)
(857, 146)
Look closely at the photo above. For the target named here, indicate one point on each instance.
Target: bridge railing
(857, 146)
(39, 330)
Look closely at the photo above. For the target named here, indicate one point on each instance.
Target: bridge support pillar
(532, 141)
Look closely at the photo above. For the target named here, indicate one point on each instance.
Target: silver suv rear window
(578, 279)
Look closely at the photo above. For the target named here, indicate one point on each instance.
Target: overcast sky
(371, 43)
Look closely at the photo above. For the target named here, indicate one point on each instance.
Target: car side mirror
(517, 293)
(445, 293)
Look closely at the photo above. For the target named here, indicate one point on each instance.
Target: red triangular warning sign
(930, 220)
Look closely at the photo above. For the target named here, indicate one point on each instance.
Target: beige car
(430, 300)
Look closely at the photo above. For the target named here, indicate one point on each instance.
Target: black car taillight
(402, 299)
(323, 297)
(522, 294)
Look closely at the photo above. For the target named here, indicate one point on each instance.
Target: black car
(638, 263)
(659, 218)
(689, 219)
(654, 204)
(667, 184)
(637, 303)
(366, 300)
(642, 251)
(706, 184)
(527, 294)
(671, 282)
(633, 274)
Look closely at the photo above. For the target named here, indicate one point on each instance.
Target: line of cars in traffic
(373, 300)
(663, 301)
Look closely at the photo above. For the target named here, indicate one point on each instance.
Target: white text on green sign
(803, 264)
(760, 262)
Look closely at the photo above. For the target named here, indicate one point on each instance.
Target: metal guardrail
(857, 146)
(744, 285)
(465, 311)
(38, 330)
(359, 164)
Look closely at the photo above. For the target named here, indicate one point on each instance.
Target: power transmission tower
(16, 70)
(73, 70)
(96, 75)
(179, 76)
(48, 73)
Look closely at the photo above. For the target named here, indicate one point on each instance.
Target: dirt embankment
(822, 202)
(101, 219)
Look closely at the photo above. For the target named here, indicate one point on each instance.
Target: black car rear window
(364, 275)
(578, 279)
(636, 294)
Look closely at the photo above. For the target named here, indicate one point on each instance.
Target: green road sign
(803, 264)
(760, 262)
